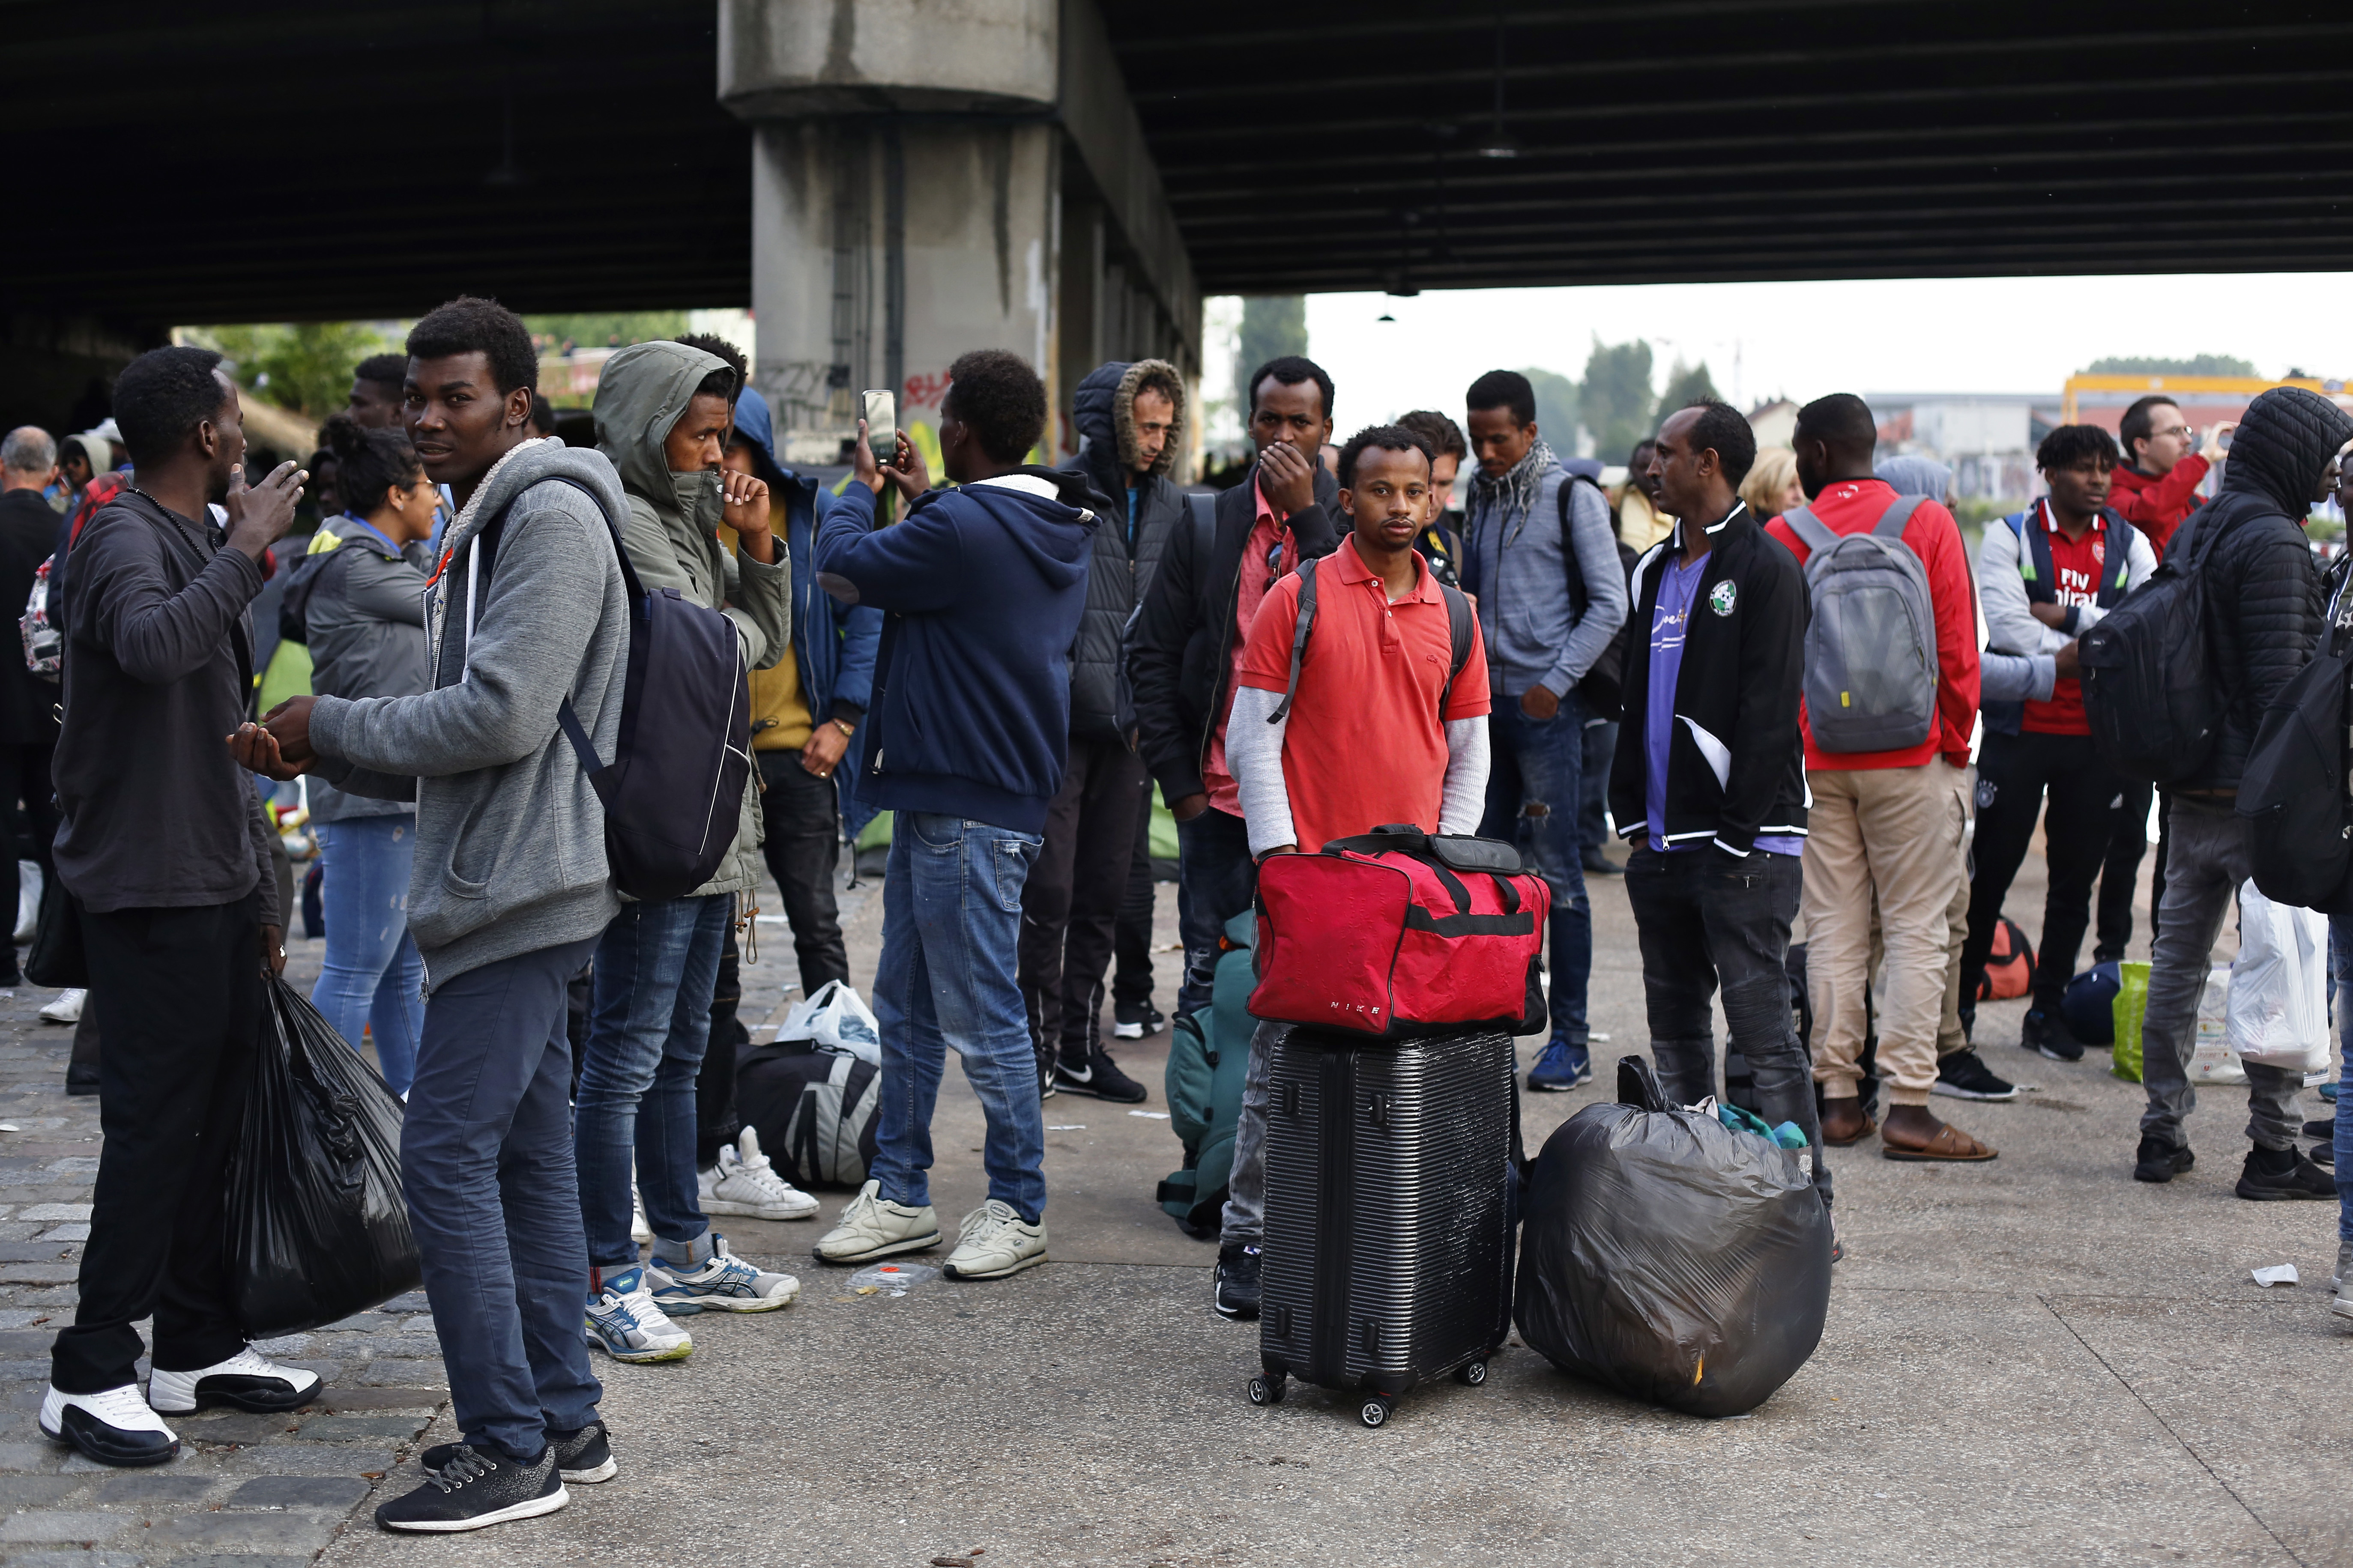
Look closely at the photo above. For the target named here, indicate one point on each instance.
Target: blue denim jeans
(1598, 750)
(486, 1166)
(649, 1027)
(370, 977)
(1216, 879)
(1533, 796)
(951, 927)
(2340, 948)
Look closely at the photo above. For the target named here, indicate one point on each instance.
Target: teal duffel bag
(1207, 1053)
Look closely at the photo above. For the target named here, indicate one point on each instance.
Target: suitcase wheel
(1471, 1374)
(1375, 1411)
(1267, 1390)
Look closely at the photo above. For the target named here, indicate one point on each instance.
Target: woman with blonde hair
(1771, 487)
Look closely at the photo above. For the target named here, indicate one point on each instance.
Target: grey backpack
(1871, 647)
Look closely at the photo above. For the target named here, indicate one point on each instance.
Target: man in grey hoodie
(509, 893)
(662, 413)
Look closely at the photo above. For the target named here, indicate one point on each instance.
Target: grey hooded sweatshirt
(510, 836)
(672, 533)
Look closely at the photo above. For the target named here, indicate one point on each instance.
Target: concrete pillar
(931, 178)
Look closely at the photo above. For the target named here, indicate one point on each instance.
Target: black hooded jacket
(1125, 556)
(2262, 589)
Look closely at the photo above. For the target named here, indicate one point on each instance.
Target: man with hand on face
(2047, 575)
(1189, 637)
(1528, 528)
(1363, 740)
(663, 412)
(1709, 781)
(2154, 485)
(164, 850)
(508, 893)
(984, 586)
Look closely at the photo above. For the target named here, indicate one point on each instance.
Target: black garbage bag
(1672, 1258)
(316, 1225)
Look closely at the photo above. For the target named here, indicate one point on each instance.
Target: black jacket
(2262, 589)
(1743, 666)
(1125, 559)
(1183, 656)
(29, 531)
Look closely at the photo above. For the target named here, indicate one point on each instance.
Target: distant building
(1776, 422)
(1988, 438)
(2204, 400)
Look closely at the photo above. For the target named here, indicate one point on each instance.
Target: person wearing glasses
(2156, 484)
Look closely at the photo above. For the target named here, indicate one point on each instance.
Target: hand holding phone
(881, 412)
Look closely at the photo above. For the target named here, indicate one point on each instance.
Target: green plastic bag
(2130, 1005)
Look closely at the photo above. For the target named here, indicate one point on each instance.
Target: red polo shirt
(1855, 506)
(1250, 590)
(1365, 743)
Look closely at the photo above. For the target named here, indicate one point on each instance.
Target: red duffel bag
(1399, 934)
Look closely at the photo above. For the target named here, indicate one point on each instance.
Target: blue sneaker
(625, 1323)
(1561, 1068)
(717, 1281)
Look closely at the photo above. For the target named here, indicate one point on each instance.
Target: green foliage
(1615, 401)
(1272, 325)
(1975, 512)
(1556, 418)
(2196, 364)
(613, 329)
(1686, 385)
(305, 365)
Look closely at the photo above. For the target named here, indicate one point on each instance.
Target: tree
(1557, 416)
(1686, 385)
(2196, 364)
(1274, 325)
(1616, 401)
(306, 365)
(611, 329)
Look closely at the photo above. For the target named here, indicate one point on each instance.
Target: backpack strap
(1897, 517)
(1809, 528)
(1571, 567)
(1458, 626)
(2119, 533)
(1307, 624)
(1202, 506)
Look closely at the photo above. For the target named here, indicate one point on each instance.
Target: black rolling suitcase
(1388, 1250)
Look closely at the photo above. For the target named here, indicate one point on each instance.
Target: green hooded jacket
(674, 540)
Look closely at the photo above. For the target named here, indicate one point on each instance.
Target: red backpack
(1400, 933)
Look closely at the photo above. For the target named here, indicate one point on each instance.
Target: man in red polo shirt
(1381, 728)
(2049, 574)
(1885, 826)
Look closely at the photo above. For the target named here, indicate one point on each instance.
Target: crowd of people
(1443, 624)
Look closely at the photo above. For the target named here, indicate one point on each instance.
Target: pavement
(2033, 1361)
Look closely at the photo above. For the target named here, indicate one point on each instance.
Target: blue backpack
(673, 793)
(1209, 1051)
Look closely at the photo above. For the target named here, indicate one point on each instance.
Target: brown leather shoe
(1904, 1138)
(1845, 1124)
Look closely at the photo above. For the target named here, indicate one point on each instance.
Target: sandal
(1950, 1144)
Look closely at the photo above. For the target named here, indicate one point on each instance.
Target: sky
(1804, 340)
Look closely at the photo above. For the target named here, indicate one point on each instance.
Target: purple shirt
(1678, 589)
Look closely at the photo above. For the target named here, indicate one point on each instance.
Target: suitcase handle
(1380, 1108)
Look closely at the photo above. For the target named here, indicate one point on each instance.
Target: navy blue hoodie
(982, 588)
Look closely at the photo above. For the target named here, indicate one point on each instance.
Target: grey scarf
(1512, 491)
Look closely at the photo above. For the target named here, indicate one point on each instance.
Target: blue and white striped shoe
(720, 1283)
(624, 1321)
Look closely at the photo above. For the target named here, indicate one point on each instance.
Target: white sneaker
(744, 1183)
(66, 1009)
(722, 1283)
(114, 1427)
(871, 1227)
(248, 1380)
(639, 1231)
(624, 1321)
(996, 1242)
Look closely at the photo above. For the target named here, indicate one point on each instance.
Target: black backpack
(1603, 684)
(2292, 792)
(1459, 628)
(2150, 691)
(673, 793)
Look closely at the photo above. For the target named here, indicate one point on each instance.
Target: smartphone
(881, 412)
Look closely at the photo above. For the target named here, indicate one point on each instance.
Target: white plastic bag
(835, 1019)
(2211, 1061)
(28, 899)
(2279, 998)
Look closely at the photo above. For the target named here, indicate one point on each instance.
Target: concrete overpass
(890, 181)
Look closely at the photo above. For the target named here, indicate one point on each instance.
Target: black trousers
(1706, 919)
(24, 775)
(2015, 773)
(802, 850)
(184, 1005)
(1131, 981)
(2120, 872)
(1070, 906)
(716, 1123)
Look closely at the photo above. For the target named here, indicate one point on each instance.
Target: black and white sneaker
(114, 1427)
(1237, 1282)
(1100, 1076)
(248, 1380)
(583, 1458)
(1965, 1075)
(1133, 1020)
(2048, 1035)
(1047, 1059)
(472, 1487)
